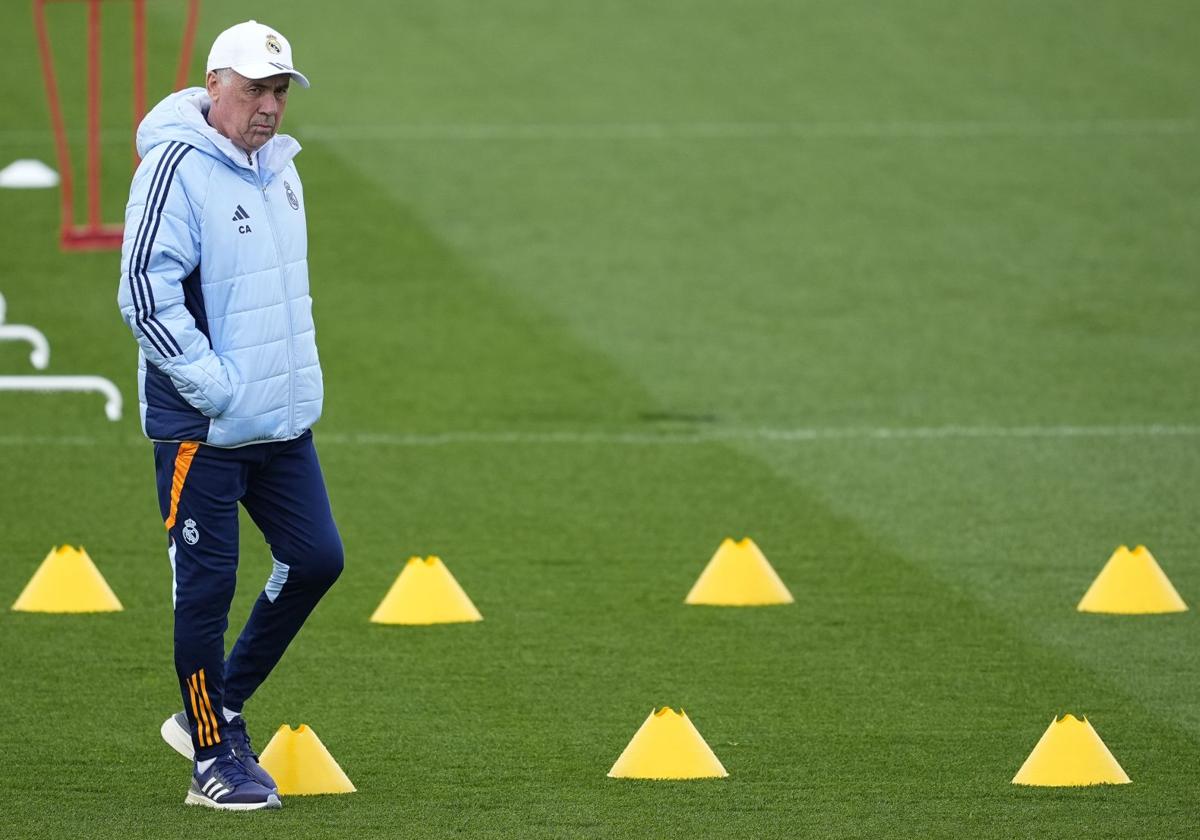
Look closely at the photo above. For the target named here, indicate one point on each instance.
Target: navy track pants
(199, 489)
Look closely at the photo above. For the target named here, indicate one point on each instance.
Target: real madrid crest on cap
(273, 45)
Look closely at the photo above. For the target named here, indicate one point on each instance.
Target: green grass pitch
(600, 284)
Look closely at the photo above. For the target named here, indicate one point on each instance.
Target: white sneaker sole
(178, 738)
(194, 798)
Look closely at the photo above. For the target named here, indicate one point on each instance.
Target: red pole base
(94, 238)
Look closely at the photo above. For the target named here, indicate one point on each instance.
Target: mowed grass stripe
(869, 285)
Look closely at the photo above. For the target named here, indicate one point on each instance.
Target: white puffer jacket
(214, 283)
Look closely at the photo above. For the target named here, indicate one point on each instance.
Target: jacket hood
(181, 117)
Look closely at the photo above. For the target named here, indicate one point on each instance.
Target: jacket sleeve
(161, 248)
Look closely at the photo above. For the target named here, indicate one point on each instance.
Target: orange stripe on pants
(183, 463)
(216, 734)
(201, 732)
(205, 726)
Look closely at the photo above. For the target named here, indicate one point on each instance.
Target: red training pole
(139, 69)
(93, 141)
(185, 53)
(60, 132)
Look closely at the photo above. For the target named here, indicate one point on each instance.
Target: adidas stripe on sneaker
(227, 786)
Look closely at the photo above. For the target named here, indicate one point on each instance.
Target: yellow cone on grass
(300, 764)
(425, 593)
(1132, 583)
(667, 746)
(738, 575)
(1070, 754)
(67, 582)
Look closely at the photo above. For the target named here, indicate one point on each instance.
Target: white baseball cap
(255, 51)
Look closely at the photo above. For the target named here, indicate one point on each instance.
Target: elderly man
(214, 287)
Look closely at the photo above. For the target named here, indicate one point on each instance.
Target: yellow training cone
(67, 582)
(738, 575)
(425, 593)
(300, 764)
(1070, 754)
(1132, 583)
(667, 746)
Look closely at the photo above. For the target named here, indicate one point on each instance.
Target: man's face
(247, 111)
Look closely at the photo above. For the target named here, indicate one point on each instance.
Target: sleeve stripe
(149, 317)
(183, 149)
(134, 291)
(143, 296)
(139, 283)
(141, 307)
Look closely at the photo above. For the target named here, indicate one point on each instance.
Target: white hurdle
(94, 384)
(40, 355)
(40, 358)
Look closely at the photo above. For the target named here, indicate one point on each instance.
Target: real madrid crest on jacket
(215, 283)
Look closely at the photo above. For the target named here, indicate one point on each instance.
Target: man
(214, 286)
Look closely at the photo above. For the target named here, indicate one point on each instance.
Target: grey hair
(225, 75)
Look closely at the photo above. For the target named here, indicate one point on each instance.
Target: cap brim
(265, 69)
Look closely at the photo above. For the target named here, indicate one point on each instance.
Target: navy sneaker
(239, 738)
(227, 786)
(177, 732)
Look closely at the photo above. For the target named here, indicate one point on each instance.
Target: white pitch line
(712, 130)
(898, 129)
(52, 440)
(699, 436)
(765, 435)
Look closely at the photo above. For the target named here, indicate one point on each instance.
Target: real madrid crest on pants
(191, 534)
(292, 200)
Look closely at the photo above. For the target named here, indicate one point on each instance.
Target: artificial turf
(905, 292)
